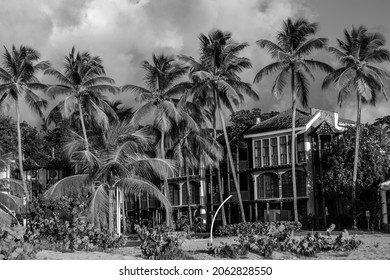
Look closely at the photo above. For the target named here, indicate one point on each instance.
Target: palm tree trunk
(294, 110)
(230, 158)
(188, 195)
(123, 213)
(356, 160)
(166, 186)
(20, 154)
(86, 144)
(220, 187)
(110, 211)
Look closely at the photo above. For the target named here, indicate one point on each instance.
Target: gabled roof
(281, 121)
(325, 128)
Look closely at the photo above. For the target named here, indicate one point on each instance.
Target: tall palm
(358, 54)
(120, 163)
(293, 44)
(217, 83)
(192, 147)
(84, 81)
(18, 77)
(158, 98)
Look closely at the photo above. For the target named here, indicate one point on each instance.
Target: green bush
(267, 238)
(62, 224)
(13, 246)
(160, 244)
(258, 228)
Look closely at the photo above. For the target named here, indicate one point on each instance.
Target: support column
(385, 219)
(203, 194)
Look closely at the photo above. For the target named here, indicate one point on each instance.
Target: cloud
(126, 32)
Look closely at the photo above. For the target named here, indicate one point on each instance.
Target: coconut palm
(358, 54)
(216, 83)
(12, 193)
(17, 74)
(290, 51)
(191, 144)
(84, 81)
(161, 78)
(119, 163)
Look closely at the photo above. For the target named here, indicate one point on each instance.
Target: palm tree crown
(84, 82)
(293, 44)
(357, 74)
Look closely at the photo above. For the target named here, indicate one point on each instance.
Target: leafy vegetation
(271, 238)
(161, 244)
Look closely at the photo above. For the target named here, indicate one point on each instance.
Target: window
(274, 151)
(243, 154)
(266, 152)
(257, 153)
(287, 190)
(267, 186)
(244, 182)
(283, 150)
(175, 194)
(301, 183)
(287, 184)
(301, 147)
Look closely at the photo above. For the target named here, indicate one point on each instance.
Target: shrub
(258, 228)
(231, 251)
(265, 239)
(62, 224)
(160, 244)
(13, 246)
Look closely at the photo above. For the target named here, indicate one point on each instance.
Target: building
(269, 144)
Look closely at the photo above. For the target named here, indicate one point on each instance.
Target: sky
(126, 32)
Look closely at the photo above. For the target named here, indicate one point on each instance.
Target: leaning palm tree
(293, 44)
(119, 162)
(357, 74)
(17, 75)
(216, 83)
(84, 81)
(159, 98)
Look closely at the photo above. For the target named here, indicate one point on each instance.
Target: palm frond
(270, 70)
(68, 185)
(139, 186)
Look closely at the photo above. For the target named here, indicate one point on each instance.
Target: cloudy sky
(125, 32)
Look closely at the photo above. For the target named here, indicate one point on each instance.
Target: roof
(281, 121)
(325, 128)
(346, 121)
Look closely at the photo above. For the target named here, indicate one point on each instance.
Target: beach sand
(374, 247)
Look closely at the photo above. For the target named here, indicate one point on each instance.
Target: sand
(375, 247)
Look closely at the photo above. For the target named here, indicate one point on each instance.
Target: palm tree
(293, 44)
(120, 164)
(357, 54)
(12, 193)
(161, 79)
(216, 83)
(192, 147)
(17, 73)
(84, 82)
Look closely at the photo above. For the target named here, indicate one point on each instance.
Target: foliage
(231, 251)
(13, 246)
(373, 163)
(242, 120)
(265, 240)
(160, 244)
(259, 228)
(62, 224)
